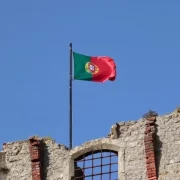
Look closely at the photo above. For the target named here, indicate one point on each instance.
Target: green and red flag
(98, 69)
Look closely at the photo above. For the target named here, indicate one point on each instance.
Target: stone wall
(17, 161)
(3, 169)
(56, 162)
(168, 147)
(129, 147)
(132, 134)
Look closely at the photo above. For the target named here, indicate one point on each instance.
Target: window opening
(97, 165)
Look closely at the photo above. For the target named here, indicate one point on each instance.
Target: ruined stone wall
(129, 146)
(56, 162)
(168, 147)
(132, 134)
(3, 169)
(17, 161)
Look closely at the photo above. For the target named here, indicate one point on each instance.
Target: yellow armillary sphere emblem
(91, 68)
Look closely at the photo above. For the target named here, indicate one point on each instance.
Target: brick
(35, 147)
(150, 131)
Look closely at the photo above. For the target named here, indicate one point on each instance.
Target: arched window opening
(97, 165)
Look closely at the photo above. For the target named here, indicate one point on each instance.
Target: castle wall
(17, 161)
(168, 147)
(132, 134)
(129, 147)
(56, 161)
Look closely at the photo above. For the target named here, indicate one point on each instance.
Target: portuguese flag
(98, 69)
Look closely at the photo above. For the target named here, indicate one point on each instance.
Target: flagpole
(70, 97)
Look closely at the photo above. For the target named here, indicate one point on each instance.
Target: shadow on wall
(44, 160)
(3, 169)
(158, 153)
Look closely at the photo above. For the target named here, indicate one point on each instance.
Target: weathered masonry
(147, 149)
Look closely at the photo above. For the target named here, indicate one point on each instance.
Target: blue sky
(142, 36)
